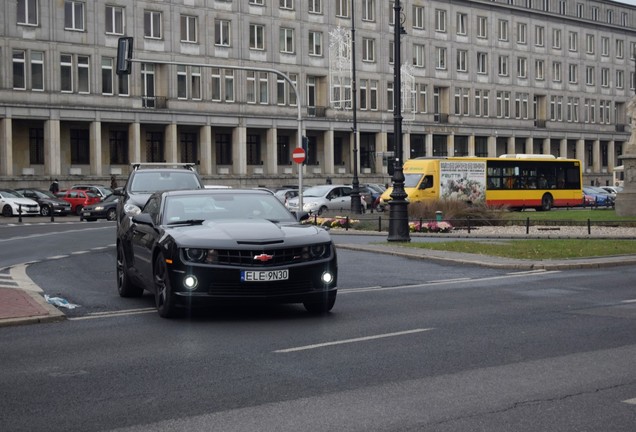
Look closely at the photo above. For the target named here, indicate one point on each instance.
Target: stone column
(529, 145)
(328, 164)
(134, 142)
(52, 149)
(492, 146)
(95, 139)
(6, 147)
(171, 140)
(271, 155)
(471, 145)
(239, 150)
(547, 146)
(406, 147)
(563, 147)
(611, 152)
(429, 144)
(450, 145)
(205, 150)
(596, 154)
(580, 152)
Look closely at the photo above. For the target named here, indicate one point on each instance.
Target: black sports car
(224, 245)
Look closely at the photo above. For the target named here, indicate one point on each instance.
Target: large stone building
(488, 78)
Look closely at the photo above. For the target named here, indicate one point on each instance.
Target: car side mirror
(143, 219)
(119, 192)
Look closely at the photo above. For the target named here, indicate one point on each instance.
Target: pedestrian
(55, 187)
(329, 180)
(113, 182)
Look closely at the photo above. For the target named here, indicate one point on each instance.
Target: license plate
(264, 275)
(87, 214)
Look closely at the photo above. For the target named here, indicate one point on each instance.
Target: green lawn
(536, 248)
(579, 215)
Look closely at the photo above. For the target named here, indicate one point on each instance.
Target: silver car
(319, 199)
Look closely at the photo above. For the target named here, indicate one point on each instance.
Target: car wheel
(321, 306)
(7, 211)
(125, 286)
(45, 210)
(322, 210)
(111, 215)
(78, 210)
(164, 297)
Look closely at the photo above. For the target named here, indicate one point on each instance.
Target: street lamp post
(356, 207)
(398, 205)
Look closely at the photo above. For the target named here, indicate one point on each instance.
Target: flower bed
(333, 222)
(430, 227)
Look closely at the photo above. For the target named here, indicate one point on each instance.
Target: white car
(319, 199)
(11, 203)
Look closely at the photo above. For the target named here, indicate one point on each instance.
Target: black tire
(321, 210)
(125, 286)
(164, 297)
(7, 211)
(546, 202)
(322, 306)
(78, 210)
(111, 214)
(45, 210)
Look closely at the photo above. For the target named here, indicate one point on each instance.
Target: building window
(481, 103)
(556, 72)
(118, 143)
(462, 61)
(440, 58)
(257, 87)
(556, 38)
(605, 46)
(482, 63)
(19, 70)
(620, 79)
(482, 27)
(152, 24)
(285, 92)
(148, 84)
(223, 144)
(563, 9)
(389, 97)
(257, 37)
(422, 101)
(107, 76)
(28, 12)
(462, 24)
(589, 75)
(589, 44)
(182, 82)
(522, 67)
(604, 77)
(368, 50)
(257, 2)
(83, 74)
(315, 6)
(74, 15)
(188, 28)
(368, 10)
(189, 147)
(222, 33)
(462, 98)
(418, 17)
(503, 65)
(539, 36)
(37, 70)
(114, 20)
(222, 85)
(573, 41)
(440, 20)
(502, 33)
(154, 146)
(610, 16)
(503, 104)
(286, 4)
(539, 70)
(419, 56)
(36, 146)
(573, 74)
(286, 40)
(594, 13)
(620, 48)
(391, 52)
(80, 147)
(315, 43)
(342, 8)
(521, 105)
(66, 73)
(522, 33)
(572, 114)
(556, 108)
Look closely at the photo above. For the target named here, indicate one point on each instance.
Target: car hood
(229, 233)
(22, 201)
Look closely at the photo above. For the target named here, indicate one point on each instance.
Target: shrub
(430, 227)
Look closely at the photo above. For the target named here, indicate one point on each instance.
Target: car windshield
(163, 180)
(110, 198)
(317, 191)
(10, 194)
(44, 194)
(197, 207)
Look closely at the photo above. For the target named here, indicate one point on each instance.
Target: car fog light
(190, 282)
(327, 277)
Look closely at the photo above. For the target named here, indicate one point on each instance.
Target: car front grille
(249, 258)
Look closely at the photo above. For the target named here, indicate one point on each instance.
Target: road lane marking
(630, 401)
(348, 341)
(113, 314)
(444, 282)
(629, 301)
(53, 233)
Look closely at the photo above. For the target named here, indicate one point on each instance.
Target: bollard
(20, 213)
(438, 216)
(347, 223)
(379, 223)
(589, 227)
(468, 221)
(527, 225)
(51, 212)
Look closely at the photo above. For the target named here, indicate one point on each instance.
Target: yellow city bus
(515, 181)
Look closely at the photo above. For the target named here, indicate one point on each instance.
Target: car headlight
(316, 251)
(198, 255)
(98, 208)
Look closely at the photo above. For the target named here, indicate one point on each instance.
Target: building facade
(481, 78)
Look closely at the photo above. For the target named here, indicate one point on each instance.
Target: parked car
(319, 199)
(79, 199)
(612, 190)
(12, 203)
(219, 245)
(284, 195)
(147, 178)
(99, 190)
(596, 196)
(105, 209)
(370, 194)
(47, 201)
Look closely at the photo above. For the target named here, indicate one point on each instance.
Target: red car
(79, 199)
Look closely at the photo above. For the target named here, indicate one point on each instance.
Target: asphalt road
(410, 346)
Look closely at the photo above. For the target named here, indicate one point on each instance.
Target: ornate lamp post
(356, 207)
(398, 206)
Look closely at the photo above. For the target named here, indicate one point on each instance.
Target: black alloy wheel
(125, 286)
(164, 297)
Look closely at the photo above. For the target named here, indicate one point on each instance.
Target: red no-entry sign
(298, 155)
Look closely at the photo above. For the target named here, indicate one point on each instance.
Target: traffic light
(124, 54)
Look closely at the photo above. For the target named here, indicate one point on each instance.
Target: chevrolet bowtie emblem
(263, 257)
